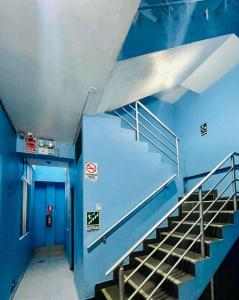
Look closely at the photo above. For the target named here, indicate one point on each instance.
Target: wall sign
(93, 220)
(91, 171)
(30, 145)
(203, 129)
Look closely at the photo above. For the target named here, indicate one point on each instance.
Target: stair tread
(190, 256)
(214, 211)
(112, 292)
(177, 276)
(210, 201)
(216, 224)
(208, 239)
(149, 286)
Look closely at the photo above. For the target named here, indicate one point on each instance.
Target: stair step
(188, 205)
(215, 229)
(135, 281)
(177, 276)
(225, 216)
(166, 248)
(213, 224)
(192, 237)
(194, 196)
(112, 293)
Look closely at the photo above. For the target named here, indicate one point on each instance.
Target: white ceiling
(171, 72)
(51, 53)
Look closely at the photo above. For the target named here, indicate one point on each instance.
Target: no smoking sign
(91, 171)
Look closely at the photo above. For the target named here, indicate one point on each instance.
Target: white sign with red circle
(91, 171)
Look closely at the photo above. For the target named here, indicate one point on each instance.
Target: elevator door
(49, 199)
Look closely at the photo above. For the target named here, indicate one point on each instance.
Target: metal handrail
(164, 218)
(163, 135)
(149, 140)
(187, 250)
(131, 212)
(200, 220)
(156, 137)
(171, 251)
(128, 113)
(157, 119)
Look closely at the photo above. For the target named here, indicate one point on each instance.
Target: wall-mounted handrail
(150, 127)
(130, 213)
(197, 187)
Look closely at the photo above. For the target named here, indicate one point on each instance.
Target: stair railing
(152, 129)
(229, 170)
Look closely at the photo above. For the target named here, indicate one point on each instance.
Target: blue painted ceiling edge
(166, 26)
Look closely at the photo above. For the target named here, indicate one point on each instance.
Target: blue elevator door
(47, 193)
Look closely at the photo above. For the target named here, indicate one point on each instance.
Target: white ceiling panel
(51, 53)
(165, 71)
(215, 67)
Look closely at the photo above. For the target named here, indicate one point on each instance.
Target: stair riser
(129, 290)
(184, 265)
(211, 231)
(221, 218)
(168, 285)
(172, 240)
(187, 206)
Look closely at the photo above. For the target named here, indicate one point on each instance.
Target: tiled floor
(47, 278)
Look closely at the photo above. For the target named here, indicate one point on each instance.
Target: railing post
(177, 153)
(201, 223)
(121, 282)
(137, 120)
(234, 184)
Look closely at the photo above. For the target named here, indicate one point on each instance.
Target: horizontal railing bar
(148, 139)
(157, 119)
(163, 260)
(163, 219)
(224, 176)
(125, 216)
(202, 175)
(154, 127)
(124, 120)
(161, 243)
(174, 153)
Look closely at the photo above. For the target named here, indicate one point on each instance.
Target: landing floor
(47, 278)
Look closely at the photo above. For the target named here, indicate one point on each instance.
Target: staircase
(180, 260)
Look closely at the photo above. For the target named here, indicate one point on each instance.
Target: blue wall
(127, 173)
(15, 252)
(219, 108)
